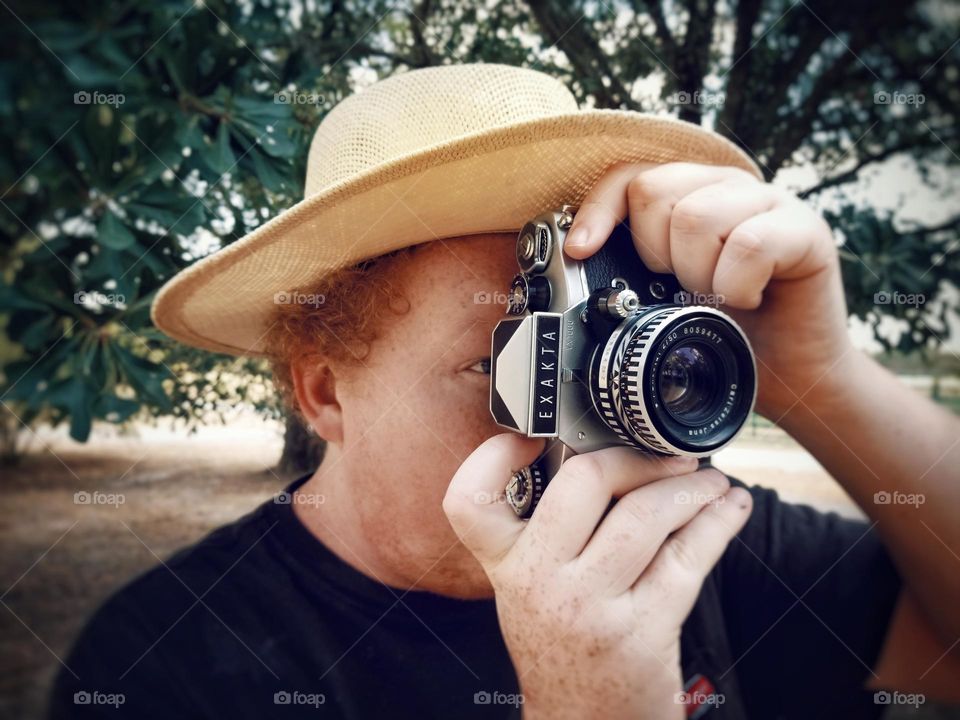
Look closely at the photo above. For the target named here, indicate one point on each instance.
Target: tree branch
(851, 174)
(693, 58)
(573, 36)
(421, 49)
(748, 11)
(802, 119)
(668, 43)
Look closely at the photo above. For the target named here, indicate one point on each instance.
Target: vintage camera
(605, 352)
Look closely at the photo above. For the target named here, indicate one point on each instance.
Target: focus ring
(632, 390)
(612, 396)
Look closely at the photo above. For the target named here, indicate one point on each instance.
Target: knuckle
(745, 243)
(690, 217)
(642, 190)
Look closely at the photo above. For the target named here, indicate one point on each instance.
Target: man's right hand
(591, 606)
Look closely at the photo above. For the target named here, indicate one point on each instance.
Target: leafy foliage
(141, 137)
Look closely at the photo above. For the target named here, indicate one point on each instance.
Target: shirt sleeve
(808, 598)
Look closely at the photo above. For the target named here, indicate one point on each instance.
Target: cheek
(452, 418)
(421, 439)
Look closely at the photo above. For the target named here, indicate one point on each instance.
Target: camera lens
(688, 382)
(676, 380)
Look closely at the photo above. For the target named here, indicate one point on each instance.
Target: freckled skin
(412, 414)
(397, 478)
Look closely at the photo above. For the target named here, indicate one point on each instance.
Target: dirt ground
(63, 557)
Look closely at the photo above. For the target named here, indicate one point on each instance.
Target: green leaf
(87, 73)
(279, 143)
(144, 377)
(81, 410)
(115, 409)
(112, 233)
(11, 299)
(257, 113)
(268, 173)
(39, 334)
(175, 211)
(218, 154)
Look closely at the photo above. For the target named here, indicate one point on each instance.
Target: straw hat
(427, 154)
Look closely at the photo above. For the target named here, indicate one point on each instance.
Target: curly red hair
(337, 318)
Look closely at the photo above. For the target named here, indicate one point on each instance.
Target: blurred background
(139, 137)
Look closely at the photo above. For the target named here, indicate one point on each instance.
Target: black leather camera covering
(618, 258)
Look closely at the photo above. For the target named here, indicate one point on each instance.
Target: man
(381, 588)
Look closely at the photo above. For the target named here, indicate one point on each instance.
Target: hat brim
(487, 182)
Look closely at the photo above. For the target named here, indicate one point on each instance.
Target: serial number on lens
(696, 331)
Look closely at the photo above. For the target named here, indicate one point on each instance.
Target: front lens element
(676, 380)
(689, 379)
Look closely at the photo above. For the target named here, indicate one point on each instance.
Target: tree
(145, 136)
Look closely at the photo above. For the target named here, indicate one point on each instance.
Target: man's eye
(481, 366)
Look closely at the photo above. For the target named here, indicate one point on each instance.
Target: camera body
(605, 352)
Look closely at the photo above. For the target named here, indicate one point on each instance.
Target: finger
(675, 576)
(701, 222)
(474, 502)
(652, 196)
(576, 499)
(784, 243)
(627, 186)
(600, 211)
(632, 533)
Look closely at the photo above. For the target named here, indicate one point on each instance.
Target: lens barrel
(675, 380)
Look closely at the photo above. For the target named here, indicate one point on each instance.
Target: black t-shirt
(260, 620)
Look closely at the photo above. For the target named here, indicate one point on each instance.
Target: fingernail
(683, 462)
(578, 237)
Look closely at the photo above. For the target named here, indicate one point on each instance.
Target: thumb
(475, 503)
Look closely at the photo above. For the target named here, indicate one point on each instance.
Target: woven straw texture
(428, 154)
